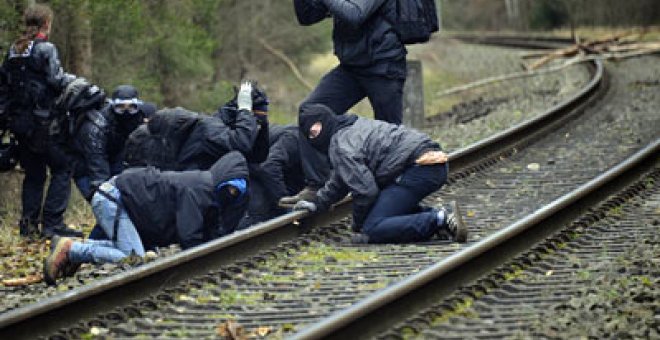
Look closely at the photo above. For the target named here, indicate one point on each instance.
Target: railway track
(308, 271)
(604, 263)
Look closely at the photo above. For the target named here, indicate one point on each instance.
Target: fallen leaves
(230, 329)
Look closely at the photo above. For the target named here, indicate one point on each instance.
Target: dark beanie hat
(123, 92)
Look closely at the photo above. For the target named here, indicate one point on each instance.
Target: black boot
(28, 227)
(60, 230)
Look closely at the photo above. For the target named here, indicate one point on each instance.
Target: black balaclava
(330, 124)
(128, 122)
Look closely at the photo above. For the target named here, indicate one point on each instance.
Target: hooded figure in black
(101, 136)
(279, 175)
(387, 168)
(145, 208)
(181, 207)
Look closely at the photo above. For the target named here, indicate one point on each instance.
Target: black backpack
(415, 20)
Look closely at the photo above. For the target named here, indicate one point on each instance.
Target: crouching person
(388, 169)
(144, 208)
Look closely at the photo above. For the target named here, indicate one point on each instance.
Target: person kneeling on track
(280, 175)
(177, 139)
(388, 169)
(144, 208)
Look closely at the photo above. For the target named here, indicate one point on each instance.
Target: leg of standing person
(32, 193)
(396, 216)
(386, 97)
(59, 192)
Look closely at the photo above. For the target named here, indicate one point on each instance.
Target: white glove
(305, 205)
(244, 98)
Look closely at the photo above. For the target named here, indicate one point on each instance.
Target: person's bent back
(145, 208)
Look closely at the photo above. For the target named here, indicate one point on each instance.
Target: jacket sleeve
(261, 145)
(333, 191)
(279, 158)
(189, 219)
(56, 76)
(351, 166)
(93, 141)
(353, 12)
(310, 12)
(240, 138)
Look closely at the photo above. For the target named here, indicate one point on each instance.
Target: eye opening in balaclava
(231, 191)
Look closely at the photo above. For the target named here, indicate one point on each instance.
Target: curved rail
(50, 314)
(375, 313)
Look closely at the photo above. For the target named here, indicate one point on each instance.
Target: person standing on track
(372, 64)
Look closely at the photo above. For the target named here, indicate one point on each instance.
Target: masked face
(126, 106)
(231, 191)
(317, 123)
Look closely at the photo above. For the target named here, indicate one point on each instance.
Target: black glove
(259, 100)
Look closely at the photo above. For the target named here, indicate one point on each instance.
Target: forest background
(189, 53)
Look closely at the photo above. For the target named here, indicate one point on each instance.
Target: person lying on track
(144, 208)
(388, 169)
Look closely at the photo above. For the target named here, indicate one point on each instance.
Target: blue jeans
(396, 216)
(102, 251)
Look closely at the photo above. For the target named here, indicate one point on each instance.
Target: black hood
(230, 166)
(172, 122)
(331, 123)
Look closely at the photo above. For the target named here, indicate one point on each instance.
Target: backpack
(28, 86)
(415, 20)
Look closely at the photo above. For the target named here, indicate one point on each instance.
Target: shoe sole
(52, 281)
(461, 232)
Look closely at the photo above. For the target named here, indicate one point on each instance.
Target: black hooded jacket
(281, 172)
(100, 141)
(179, 207)
(177, 139)
(228, 114)
(364, 40)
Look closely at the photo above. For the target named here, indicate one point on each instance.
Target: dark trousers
(397, 217)
(262, 206)
(59, 189)
(340, 90)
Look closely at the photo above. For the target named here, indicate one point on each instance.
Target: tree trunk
(81, 39)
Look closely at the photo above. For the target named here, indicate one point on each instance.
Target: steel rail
(51, 314)
(377, 312)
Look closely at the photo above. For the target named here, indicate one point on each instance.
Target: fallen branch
(292, 66)
(23, 281)
(504, 77)
(593, 46)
